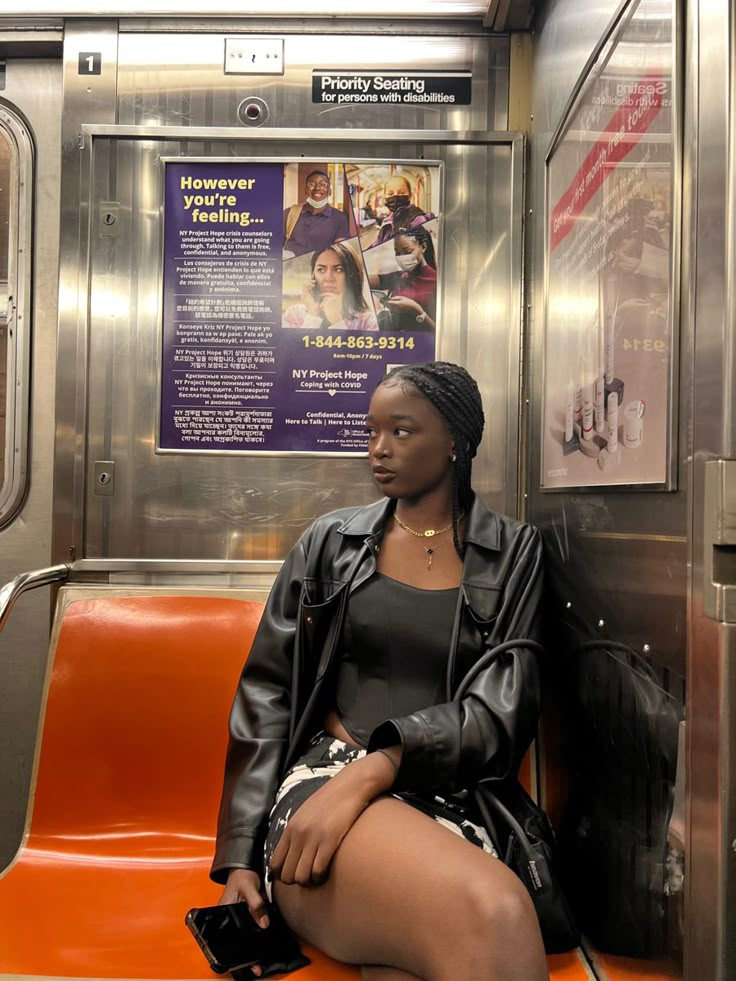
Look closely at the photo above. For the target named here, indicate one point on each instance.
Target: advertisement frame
(593, 68)
(329, 159)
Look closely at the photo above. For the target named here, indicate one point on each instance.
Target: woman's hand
(331, 305)
(312, 836)
(244, 886)
(309, 298)
(406, 303)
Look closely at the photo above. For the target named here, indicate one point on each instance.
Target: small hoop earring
(453, 457)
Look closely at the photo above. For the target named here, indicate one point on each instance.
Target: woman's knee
(495, 906)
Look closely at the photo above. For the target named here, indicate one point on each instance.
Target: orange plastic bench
(126, 786)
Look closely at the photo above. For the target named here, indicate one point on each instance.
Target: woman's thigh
(404, 891)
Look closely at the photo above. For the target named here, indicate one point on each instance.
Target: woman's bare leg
(386, 974)
(406, 893)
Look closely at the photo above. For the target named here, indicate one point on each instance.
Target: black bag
(522, 833)
(525, 842)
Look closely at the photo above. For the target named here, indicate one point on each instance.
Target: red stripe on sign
(616, 142)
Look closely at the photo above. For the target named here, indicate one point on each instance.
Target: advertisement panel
(289, 289)
(608, 355)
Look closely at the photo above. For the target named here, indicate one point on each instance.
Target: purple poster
(289, 290)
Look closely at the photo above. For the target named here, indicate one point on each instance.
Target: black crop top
(396, 642)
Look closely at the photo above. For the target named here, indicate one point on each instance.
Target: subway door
(30, 99)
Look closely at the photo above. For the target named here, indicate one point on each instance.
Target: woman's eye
(401, 432)
(370, 433)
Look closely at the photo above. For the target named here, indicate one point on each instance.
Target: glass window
(16, 164)
(5, 165)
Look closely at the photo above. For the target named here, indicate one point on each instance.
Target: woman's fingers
(244, 886)
(256, 906)
(304, 865)
(302, 860)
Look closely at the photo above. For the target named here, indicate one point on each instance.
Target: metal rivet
(568, 605)
(601, 623)
(309, 619)
(646, 648)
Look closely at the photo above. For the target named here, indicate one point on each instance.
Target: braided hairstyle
(454, 393)
(422, 237)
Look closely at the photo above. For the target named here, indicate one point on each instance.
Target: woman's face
(405, 245)
(409, 444)
(329, 272)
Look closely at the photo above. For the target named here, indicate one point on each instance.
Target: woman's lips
(382, 475)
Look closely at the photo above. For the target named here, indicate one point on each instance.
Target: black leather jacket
(286, 686)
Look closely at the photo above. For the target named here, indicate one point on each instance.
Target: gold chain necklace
(429, 533)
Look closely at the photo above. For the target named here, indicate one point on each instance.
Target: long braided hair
(454, 393)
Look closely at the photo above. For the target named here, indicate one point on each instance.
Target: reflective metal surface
(621, 557)
(174, 99)
(183, 84)
(257, 507)
(10, 592)
(86, 100)
(33, 88)
(618, 575)
(711, 940)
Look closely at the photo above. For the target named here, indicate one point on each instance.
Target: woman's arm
(486, 733)
(259, 723)
(312, 836)
(405, 303)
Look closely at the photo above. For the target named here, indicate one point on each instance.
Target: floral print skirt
(324, 758)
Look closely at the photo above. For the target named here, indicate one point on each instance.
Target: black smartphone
(230, 938)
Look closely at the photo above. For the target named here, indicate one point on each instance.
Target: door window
(15, 215)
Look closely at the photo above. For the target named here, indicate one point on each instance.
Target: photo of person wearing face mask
(403, 214)
(411, 292)
(313, 224)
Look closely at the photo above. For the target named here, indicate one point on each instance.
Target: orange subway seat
(127, 784)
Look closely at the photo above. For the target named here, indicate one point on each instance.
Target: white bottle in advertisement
(569, 411)
(588, 396)
(612, 422)
(634, 424)
(600, 419)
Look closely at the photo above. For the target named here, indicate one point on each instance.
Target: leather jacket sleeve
(259, 724)
(485, 735)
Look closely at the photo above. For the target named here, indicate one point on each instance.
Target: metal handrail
(29, 580)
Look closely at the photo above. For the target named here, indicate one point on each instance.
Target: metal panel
(184, 84)
(86, 100)
(256, 508)
(617, 564)
(34, 88)
(711, 940)
(635, 543)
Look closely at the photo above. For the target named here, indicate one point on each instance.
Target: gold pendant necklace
(430, 552)
(429, 533)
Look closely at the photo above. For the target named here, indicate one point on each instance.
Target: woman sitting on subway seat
(348, 757)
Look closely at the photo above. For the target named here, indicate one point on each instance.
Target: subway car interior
(164, 443)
